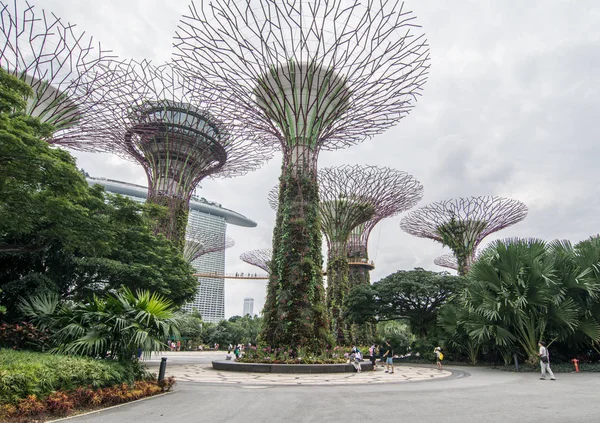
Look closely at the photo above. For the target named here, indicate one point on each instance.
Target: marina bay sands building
(206, 215)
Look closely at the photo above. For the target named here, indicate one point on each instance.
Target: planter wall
(233, 366)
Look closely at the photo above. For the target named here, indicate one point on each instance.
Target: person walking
(389, 357)
(438, 357)
(545, 361)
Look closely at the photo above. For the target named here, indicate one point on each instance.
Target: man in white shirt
(545, 361)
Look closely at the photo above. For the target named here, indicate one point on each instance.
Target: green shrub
(28, 373)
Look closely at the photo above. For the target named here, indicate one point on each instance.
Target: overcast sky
(510, 109)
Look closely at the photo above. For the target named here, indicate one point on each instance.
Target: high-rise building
(249, 307)
(210, 216)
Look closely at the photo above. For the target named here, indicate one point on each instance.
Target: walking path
(196, 367)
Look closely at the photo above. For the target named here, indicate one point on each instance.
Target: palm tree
(517, 295)
(114, 326)
(578, 268)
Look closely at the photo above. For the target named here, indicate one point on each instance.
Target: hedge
(24, 373)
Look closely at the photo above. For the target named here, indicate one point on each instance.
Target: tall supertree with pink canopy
(306, 77)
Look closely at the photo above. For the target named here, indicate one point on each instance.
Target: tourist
(355, 358)
(438, 357)
(545, 361)
(389, 357)
(372, 352)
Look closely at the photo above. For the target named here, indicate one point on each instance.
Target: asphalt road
(484, 396)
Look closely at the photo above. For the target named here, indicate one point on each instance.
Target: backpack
(441, 356)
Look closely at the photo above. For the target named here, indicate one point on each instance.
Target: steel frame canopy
(463, 223)
(62, 65)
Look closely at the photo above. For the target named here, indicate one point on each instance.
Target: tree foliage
(59, 235)
(415, 295)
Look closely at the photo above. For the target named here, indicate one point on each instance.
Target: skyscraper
(210, 216)
(249, 306)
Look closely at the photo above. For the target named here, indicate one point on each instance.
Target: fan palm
(579, 270)
(114, 326)
(517, 294)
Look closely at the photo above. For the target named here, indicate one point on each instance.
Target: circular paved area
(196, 367)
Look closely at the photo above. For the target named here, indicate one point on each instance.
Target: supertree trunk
(295, 313)
(173, 221)
(337, 287)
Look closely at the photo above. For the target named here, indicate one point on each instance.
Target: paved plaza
(461, 395)
(196, 367)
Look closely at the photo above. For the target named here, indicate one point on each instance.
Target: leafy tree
(415, 295)
(190, 325)
(40, 187)
(360, 305)
(123, 252)
(114, 326)
(398, 334)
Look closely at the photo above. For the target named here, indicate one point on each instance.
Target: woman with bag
(545, 361)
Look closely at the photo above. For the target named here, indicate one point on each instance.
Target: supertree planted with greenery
(306, 77)
(463, 223)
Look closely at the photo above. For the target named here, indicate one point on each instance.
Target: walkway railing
(238, 275)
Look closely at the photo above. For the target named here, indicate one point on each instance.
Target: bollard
(576, 364)
(163, 369)
(516, 361)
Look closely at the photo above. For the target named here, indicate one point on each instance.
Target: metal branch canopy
(63, 67)
(166, 123)
(447, 260)
(201, 242)
(357, 197)
(324, 74)
(259, 258)
(463, 223)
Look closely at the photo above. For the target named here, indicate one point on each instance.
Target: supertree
(352, 200)
(63, 66)
(259, 258)
(307, 77)
(349, 197)
(447, 260)
(462, 224)
(200, 242)
(162, 121)
(395, 191)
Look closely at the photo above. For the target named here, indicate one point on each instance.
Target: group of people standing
(386, 355)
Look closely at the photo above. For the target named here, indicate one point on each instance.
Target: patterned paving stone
(204, 373)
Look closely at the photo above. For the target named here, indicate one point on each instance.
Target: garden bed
(35, 386)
